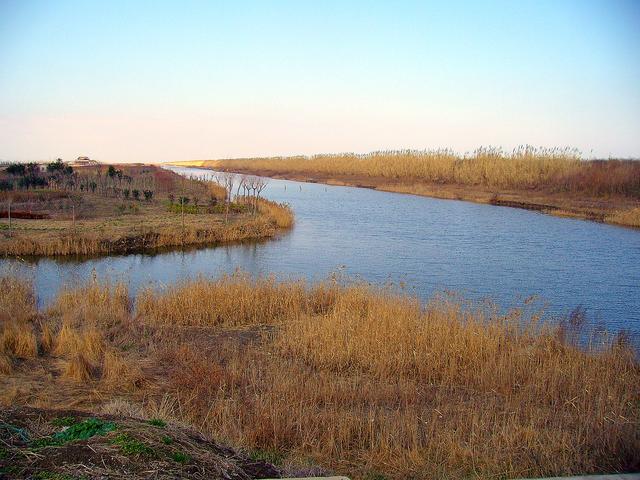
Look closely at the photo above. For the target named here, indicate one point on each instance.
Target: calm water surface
(432, 245)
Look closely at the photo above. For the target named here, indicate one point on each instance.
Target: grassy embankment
(554, 181)
(103, 220)
(362, 381)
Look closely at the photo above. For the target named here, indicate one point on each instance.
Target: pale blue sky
(156, 81)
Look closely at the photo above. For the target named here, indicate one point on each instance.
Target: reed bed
(525, 168)
(366, 381)
(629, 217)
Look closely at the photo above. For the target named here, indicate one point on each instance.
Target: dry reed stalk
(119, 372)
(629, 217)
(18, 301)
(96, 304)
(68, 341)
(6, 365)
(19, 340)
(232, 300)
(47, 340)
(92, 345)
(280, 214)
(78, 369)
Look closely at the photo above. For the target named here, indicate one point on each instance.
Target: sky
(147, 81)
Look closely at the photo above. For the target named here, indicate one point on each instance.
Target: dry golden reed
(118, 371)
(629, 217)
(526, 167)
(67, 341)
(6, 365)
(362, 380)
(18, 302)
(170, 235)
(47, 340)
(78, 369)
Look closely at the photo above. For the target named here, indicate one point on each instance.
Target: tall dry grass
(372, 381)
(81, 331)
(525, 168)
(17, 315)
(279, 214)
(363, 380)
(629, 217)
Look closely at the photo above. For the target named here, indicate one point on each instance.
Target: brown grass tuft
(68, 341)
(123, 408)
(232, 300)
(92, 345)
(18, 301)
(96, 304)
(278, 213)
(78, 369)
(6, 365)
(47, 341)
(118, 371)
(19, 340)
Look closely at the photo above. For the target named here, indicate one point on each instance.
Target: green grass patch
(130, 446)
(64, 421)
(269, 456)
(76, 431)
(156, 422)
(180, 457)
(167, 440)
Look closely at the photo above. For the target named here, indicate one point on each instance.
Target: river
(428, 245)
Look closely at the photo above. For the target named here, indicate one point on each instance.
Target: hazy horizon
(162, 81)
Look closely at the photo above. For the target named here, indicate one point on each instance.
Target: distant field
(555, 181)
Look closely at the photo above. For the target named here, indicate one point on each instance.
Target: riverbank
(552, 183)
(617, 211)
(345, 378)
(91, 222)
(144, 231)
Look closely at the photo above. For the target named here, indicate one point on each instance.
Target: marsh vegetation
(350, 377)
(555, 180)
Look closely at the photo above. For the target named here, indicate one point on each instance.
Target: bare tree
(227, 180)
(243, 179)
(255, 186)
(245, 189)
(261, 184)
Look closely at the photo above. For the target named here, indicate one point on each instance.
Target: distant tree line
(58, 175)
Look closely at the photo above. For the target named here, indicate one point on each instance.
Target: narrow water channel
(429, 245)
